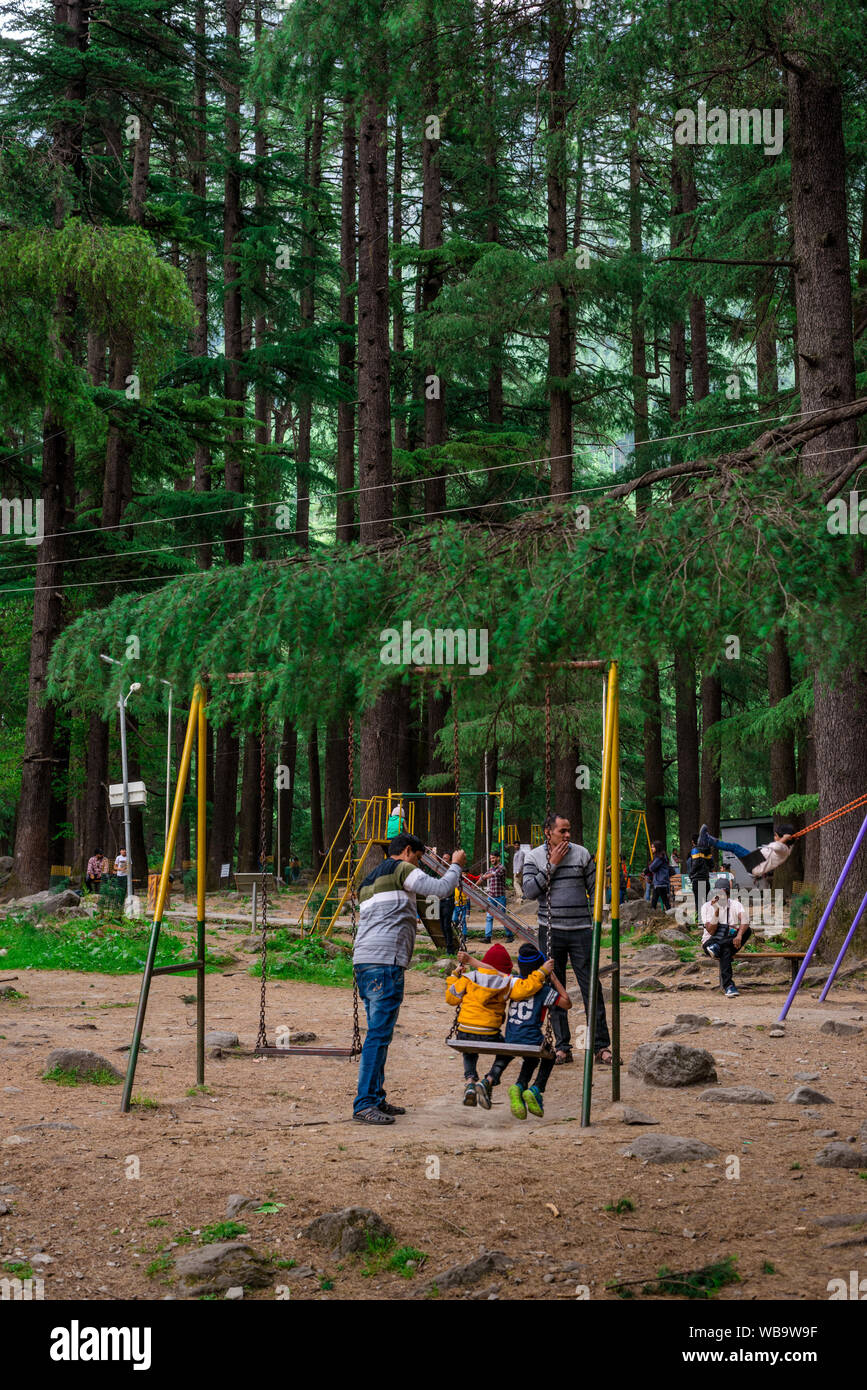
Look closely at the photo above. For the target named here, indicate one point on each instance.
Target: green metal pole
(599, 900)
(615, 890)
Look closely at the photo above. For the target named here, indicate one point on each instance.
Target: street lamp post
(121, 705)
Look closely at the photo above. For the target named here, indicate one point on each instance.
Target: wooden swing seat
(501, 1049)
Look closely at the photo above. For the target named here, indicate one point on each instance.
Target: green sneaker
(470, 1094)
(516, 1103)
(533, 1100)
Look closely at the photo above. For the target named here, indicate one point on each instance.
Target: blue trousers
(740, 850)
(381, 989)
(489, 921)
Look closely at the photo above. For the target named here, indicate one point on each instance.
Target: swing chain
(353, 929)
(546, 943)
(262, 1039)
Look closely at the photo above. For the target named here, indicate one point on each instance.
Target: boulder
(683, 1023)
(738, 1095)
(838, 1219)
(217, 1038)
(226, 1264)
(80, 1062)
(347, 1231)
(640, 911)
(840, 1029)
(806, 1095)
(460, 1276)
(816, 974)
(652, 955)
(668, 1148)
(237, 1202)
(842, 1156)
(647, 982)
(48, 902)
(672, 1064)
(853, 968)
(674, 937)
(621, 1114)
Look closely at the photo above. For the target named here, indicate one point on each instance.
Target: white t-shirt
(774, 854)
(120, 864)
(731, 914)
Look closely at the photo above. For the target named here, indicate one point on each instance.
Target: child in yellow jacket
(483, 994)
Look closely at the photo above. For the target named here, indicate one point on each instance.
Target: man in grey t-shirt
(572, 887)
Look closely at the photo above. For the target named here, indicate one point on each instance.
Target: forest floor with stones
(101, 1205)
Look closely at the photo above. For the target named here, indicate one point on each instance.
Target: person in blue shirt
(524, 1023)
(660, 876)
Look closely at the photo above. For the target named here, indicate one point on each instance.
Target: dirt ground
(538, 1190)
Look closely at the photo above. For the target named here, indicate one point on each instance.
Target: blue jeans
(381, 988)
(740, 850)
(459, 920)
(489, 921)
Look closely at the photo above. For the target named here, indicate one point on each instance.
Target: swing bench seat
(304, 1052)
(500, 1049)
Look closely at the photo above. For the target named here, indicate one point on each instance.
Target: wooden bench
(245, 883)
(793, 957)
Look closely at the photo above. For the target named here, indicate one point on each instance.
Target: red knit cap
(499, 958)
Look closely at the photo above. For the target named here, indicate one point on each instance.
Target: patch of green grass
(269, 1208)
(628, 999)
(157, 1221)
(326, 1284)
(19, 1269)
(200, 1091)
(403, 1256)
(158, 1266)
(378, 1250)
(433, 1292)
(291, 959)
(86, 946)
(221, 1230)
(11, 995)
(279, 1263)
(863, 1175)
(700, 1283)
(686, 954)
(768, 1268)
(623, 1204)
(101, 1077)
(794, 1167)
(144, 1103)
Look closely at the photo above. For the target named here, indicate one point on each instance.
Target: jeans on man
(699, 893)
(447, 910)
(489, 921)
(575, 946)
(381, 988)
(724, 941)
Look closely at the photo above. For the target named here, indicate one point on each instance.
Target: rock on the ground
(236, 1292)
(738, 1095)
(674, 937)
(460, 1276)
(347, 1231)
(444, 963)
(48, 902)
(80, 1061)
(853, 968)
(237, 1202)
(668, 1148)
(223, 1265)
(838, 1219)
(621, 1114)
(840, 1028)
(807, 1075)
(672, 1064)
(652, 955)
(839, 1155)
(218, 1038)
(777, 1033)
(683, 1023)
(647, 982)
(640, 911)
(816, 974)
(806, 1095)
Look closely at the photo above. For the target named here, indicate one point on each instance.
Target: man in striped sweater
(387, 921)
(573, 882)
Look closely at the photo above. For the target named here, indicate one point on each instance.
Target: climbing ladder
(331, 885)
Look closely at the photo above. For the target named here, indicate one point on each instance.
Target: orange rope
(833, 815)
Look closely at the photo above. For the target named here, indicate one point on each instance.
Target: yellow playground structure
(329, 892)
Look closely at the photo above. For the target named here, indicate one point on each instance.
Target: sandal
(604, 1057)
(563, 1057)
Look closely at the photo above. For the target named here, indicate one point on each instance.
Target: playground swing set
(609, 816)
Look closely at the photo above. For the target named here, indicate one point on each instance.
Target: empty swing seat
(500, 1049)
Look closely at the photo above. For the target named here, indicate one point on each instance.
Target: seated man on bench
(725, 929)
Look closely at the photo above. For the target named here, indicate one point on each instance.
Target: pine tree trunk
(711, 790)
(317, 836)
(654, 771)
(559, 326)
(442, 808)
(374, 411)
(568, 799)
(287, 757)
(312, 181)
(197, 272)
(336, 782)
(248, 819)
(492, 196)
(431, 275)
(346, 509)
(827, 377)
(784, 781)
(686, 728)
